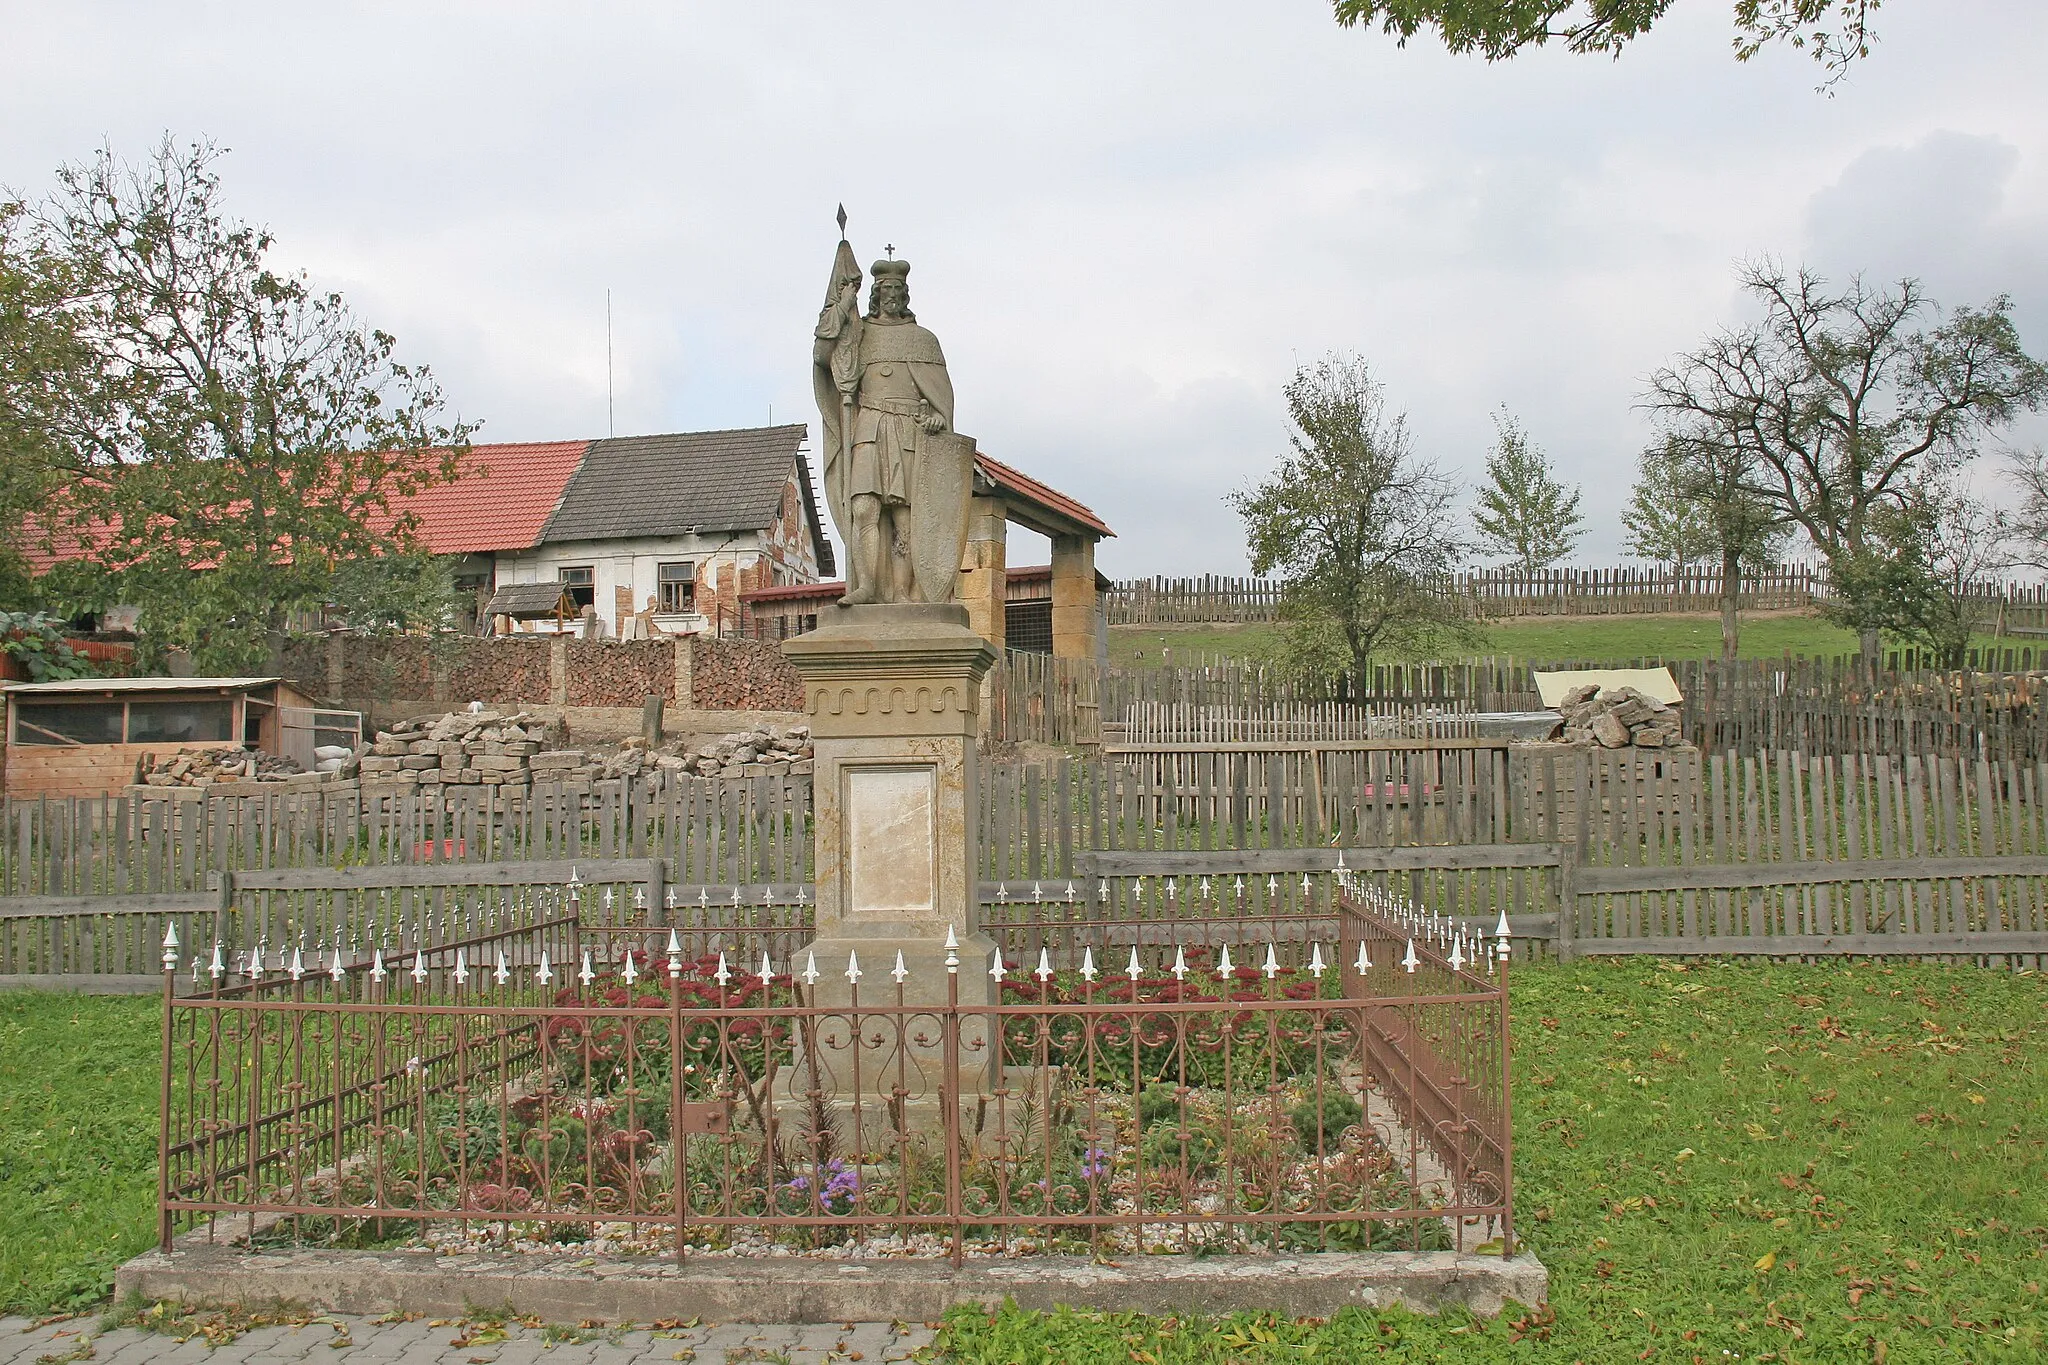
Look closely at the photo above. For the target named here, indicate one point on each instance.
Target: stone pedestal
(894, 701)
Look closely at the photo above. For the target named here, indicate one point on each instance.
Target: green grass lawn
(1767, 635)
(1721, 1162)
(1770, 1163)
(78, 1133)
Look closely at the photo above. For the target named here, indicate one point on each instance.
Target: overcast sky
(1127, 222)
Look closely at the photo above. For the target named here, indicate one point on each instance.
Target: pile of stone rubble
(469, 748)
(514, 752)
(764, 750)
(205, 767)
(1617, 718)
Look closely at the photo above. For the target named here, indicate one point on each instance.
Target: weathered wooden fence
(1618, 591)
(1622, 851)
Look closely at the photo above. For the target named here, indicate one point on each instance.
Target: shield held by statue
(944, 486)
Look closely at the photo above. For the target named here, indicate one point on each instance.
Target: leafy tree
(1924, 579)
(1744, 531)
(1835, 32)
(1355, 525)
(31, 345)
(1836, 404)
(1524, 513)
(2027, 522)
(1664, 523)
(399, 594)
(36, 641)
(224, 434)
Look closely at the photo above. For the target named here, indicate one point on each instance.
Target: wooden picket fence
(2020, 608)
(1610, 851)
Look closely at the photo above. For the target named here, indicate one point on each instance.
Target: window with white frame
(676, 585)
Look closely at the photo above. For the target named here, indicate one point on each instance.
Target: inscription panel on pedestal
(888, 814)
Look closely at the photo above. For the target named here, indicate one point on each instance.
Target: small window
(180, 722)
(582, 585)
(678, 584)
(67, 722)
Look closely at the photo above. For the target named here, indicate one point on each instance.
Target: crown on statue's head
(882, 270)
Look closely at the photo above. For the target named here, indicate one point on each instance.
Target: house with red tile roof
(652, 534)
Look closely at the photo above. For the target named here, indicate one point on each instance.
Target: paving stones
(376, 1341)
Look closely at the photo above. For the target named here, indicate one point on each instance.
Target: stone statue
(897, 475)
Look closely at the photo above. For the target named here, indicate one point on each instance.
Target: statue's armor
(889, 408)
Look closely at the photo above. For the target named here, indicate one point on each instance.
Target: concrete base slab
(802, 1289)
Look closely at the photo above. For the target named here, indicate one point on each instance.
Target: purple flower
(837, 1187)
(1095, 1163)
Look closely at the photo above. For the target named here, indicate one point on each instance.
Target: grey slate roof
(703, 481)
(524, 601)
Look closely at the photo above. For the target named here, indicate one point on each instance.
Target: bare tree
(1837, 403)
(1356, 524)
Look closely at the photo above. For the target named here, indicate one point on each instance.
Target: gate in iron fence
(1345, 1092)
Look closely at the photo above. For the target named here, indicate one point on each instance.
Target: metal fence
(1342, 1093)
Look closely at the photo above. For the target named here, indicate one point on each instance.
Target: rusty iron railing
(1117, 1097)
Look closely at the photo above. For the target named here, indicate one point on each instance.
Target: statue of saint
(897, 476)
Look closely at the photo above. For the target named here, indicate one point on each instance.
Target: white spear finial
(1500, 929)
(503, 973)
(298, 968)
(1272, 883)
(1172, 888)
(419, 966)
(1458, 956)
(1224, 966)
(218, 966)
(735, 895)
(631, 970)
(170, 946)
(803, 894)
(810, 977)
(1102, 892)
(722, 975)
(997, 969)
(1070, 893)
(1316, 965)
(1088, 972)
(546, 973)
(335, 971)
(1037, 893)
(1044, 972)
(675, 956)
(1180, 963)
(952, 951)
(853, 966)
(1272, 967)
(1411, 961)
(670, 899)
(767, 967)
(461, 967)
(1364, 960)
(586, 975)
(1002, 893)
(575, 882)
(703, 897)
(1134, 970)
(899, 973)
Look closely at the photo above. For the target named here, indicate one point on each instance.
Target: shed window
(582, 585)
(67, 722)
(678, 584)
(193, 721)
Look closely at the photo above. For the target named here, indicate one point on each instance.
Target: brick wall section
(620, 672)
(498, 671)
(743, 675)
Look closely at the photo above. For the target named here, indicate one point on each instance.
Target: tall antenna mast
(610, 423)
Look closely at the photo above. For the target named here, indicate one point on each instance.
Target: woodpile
(743, 675)
(205, 767)
(620, 672)
(1618, 718)
(460, 748)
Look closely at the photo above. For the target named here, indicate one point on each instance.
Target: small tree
(2027, 521)
(1356, 525)
(1923, 580)
(1664, 523)
(225, 436)
(1525, 515)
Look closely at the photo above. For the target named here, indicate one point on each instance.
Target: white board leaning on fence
(1651, 682)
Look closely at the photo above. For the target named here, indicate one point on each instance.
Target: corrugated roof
(705, 481)
(500, 499)
(1021, 485)
(91, 685)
